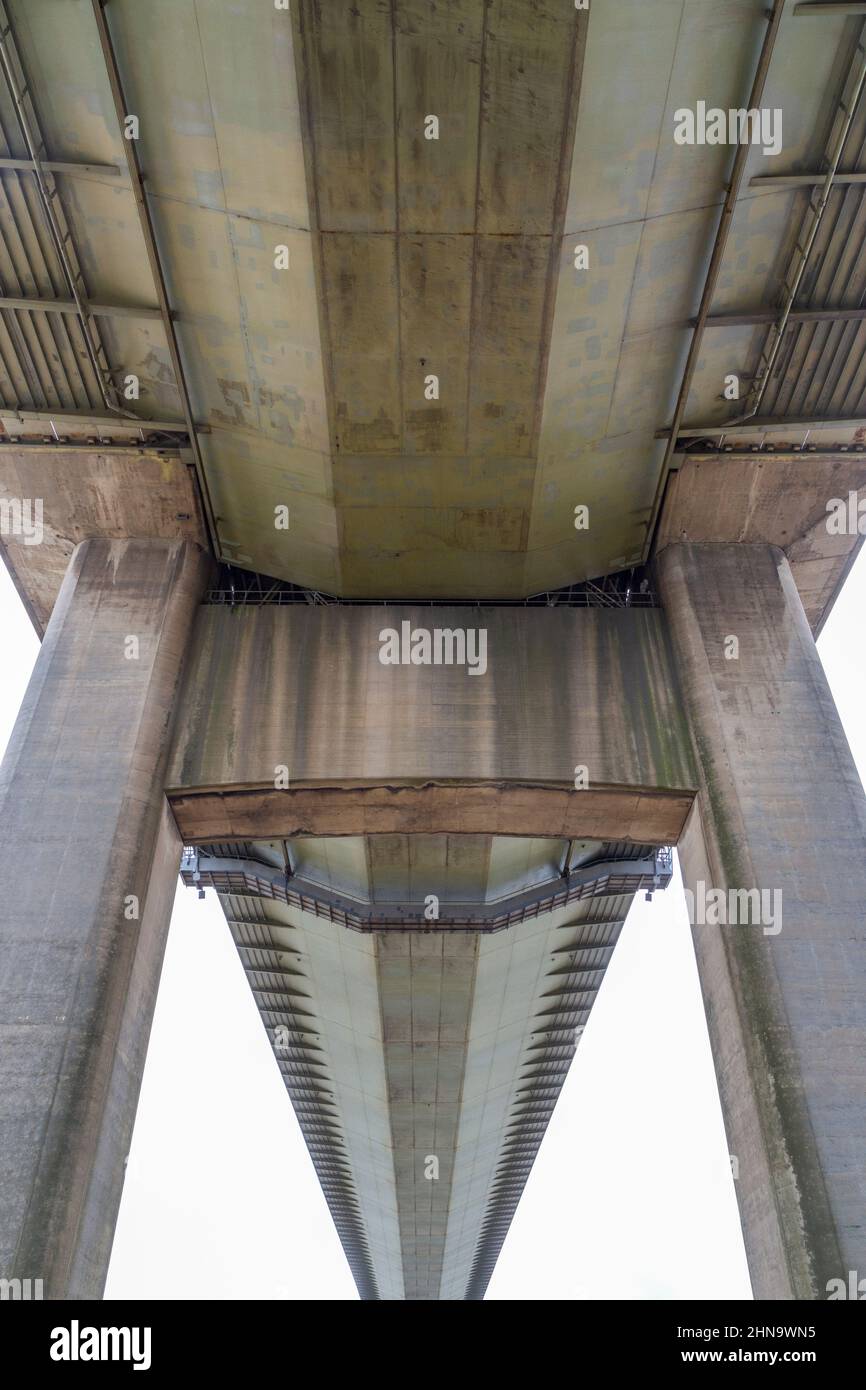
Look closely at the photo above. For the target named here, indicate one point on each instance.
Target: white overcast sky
(631, 1196)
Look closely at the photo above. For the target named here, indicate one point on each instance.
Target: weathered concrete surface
(466, 808)
(303, 688)
(107, 493)
(779, 498)
(437, 256)
(407, 257)
(85, 827)
(781, 808)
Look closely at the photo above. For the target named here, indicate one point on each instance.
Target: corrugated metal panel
(471, 1039)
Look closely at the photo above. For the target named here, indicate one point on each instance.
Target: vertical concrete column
(781, 809)
(89, 855)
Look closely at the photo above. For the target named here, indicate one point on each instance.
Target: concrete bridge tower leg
(90, 856)
(780, 809)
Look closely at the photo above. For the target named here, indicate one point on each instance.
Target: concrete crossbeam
(374, 748)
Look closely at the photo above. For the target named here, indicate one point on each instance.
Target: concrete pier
(90, 855)
(780, 809)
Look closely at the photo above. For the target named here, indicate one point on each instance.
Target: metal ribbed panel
(472, 1035)
(295, 1032)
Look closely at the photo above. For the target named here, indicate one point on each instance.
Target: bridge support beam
(90, 855)
(781, 809)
